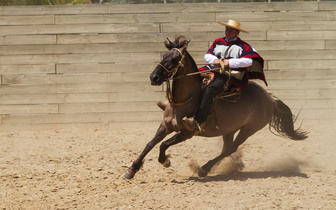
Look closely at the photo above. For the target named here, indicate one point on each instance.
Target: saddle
(229, 94)
(232, 94)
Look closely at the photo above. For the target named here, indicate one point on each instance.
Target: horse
(251, 112)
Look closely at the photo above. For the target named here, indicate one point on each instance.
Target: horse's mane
(193, 63)
(179, 42)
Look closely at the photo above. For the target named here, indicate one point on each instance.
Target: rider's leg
(210, 92)
(203, 111)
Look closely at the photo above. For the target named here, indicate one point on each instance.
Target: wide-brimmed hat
(233, 24)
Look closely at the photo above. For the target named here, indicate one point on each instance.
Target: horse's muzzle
(155, 80)
(155, 77)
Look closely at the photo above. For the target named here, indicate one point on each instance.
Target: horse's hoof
(202, 173)
(167, 163)
(129, 175)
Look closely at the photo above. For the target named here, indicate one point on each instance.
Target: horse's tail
(283, 121)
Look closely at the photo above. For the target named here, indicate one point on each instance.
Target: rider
(244, 63)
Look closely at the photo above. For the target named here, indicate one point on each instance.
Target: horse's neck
(186, 86)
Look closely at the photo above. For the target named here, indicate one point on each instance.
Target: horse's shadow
(245, 175)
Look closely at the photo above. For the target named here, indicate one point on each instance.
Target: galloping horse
(255, 109)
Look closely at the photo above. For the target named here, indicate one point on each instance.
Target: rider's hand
(226, 62)
(216, 62)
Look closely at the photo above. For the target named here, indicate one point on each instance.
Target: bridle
(171, 74)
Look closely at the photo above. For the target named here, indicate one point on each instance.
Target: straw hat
(233, 24)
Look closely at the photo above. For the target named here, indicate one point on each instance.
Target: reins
(221, 68)
(169, 97)
(172, 73)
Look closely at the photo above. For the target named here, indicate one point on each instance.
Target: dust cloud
(285, 162)
(228, 165)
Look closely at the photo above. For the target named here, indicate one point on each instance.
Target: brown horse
(255, 109)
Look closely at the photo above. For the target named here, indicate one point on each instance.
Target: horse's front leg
(161, 133)
(177, 138)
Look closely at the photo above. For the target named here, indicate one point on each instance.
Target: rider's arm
(236, 62)
(210, 58)
(240, 62)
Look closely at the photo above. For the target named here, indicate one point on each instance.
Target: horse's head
(172, 61)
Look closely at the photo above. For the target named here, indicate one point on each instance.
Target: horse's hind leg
(227, 144)
(177, 138)
(230, 147)
(161, 133)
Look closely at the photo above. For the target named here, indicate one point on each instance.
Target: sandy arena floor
(83, 169)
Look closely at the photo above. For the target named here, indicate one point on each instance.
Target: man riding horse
(239, 62)
(235, 122)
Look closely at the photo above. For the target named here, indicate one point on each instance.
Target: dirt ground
(83, 169)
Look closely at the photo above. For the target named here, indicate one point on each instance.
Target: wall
(88, 66)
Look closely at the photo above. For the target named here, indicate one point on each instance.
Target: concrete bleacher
(88, 66)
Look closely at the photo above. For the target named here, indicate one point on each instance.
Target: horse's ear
(169, 40)
(169, 44)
